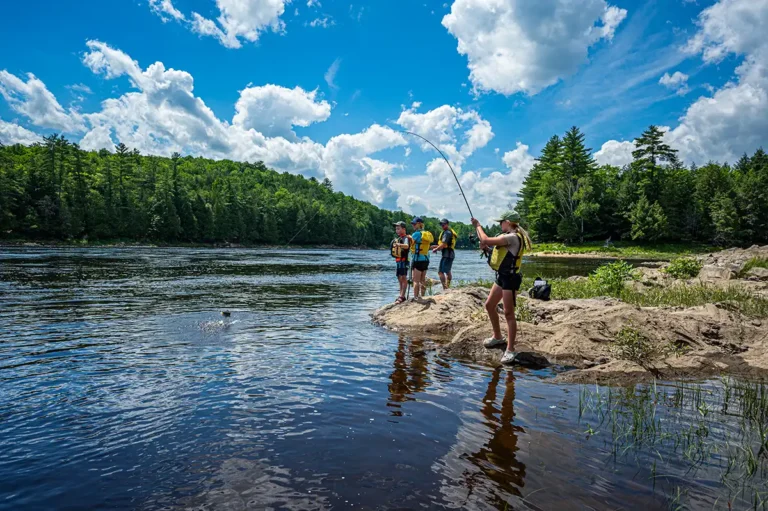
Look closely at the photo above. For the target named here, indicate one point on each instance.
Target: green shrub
(631, 344)
(609, 278)
(683, 268)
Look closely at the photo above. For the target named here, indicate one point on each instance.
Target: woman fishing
(505, 260)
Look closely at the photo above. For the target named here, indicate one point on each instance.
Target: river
(123, 387)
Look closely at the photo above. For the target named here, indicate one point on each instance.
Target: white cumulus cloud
(521, 46)
(734, 119)
(11, 133)
(274, 110)
(615, 153)
(677, 81)
(33, 100)
(238, 20)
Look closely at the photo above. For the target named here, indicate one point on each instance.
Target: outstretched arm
(485, 240)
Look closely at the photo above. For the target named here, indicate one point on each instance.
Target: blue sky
(322, 88)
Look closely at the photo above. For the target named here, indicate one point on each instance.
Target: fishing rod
(449, 166)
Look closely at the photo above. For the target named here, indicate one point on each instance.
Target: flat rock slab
(440, 314)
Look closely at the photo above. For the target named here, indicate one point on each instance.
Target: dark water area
(123, 387)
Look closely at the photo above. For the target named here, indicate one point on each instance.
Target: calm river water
(122, 387)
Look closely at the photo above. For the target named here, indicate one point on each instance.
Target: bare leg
(417, 283)
(494, 297)
(509, 316)
(442, 280)
(423, 283)
(403, 284)
(449, 277)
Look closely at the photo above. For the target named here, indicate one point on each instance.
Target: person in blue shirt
(422, 241)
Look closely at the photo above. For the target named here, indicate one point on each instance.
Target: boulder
(710, 272)
(758, 274)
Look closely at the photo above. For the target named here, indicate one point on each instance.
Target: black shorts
(509, 281)
(420, 265)
(402, 268)
(445, 265)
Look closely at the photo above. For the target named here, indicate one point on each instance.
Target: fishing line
(449, 166)
(303, 227)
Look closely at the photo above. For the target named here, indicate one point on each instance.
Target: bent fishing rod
(471, 215)
(449, 166)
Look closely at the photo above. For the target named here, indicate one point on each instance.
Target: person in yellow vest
(422, 240)
(448, 246)
(505, 260)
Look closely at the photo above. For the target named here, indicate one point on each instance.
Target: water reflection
(410, 374)
(483, 470)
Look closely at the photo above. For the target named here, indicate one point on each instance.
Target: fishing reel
(473, 241)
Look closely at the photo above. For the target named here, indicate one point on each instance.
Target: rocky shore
(604, 339)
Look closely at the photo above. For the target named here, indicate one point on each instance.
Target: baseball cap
(512, 216)
(399, 224)
(417, 220)
(443, 221)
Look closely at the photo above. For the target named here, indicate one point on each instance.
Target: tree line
(54, 190)
(568, 197)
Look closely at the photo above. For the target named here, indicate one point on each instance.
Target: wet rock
(531, 360)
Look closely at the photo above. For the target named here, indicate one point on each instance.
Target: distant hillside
(56, 191)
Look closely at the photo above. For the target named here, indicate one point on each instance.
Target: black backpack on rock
(540, 290)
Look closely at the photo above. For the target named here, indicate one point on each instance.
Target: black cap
(443, 221)
(400, 223)
(417, 220)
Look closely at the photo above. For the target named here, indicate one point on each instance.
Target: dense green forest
(56, 191)
(568, 197)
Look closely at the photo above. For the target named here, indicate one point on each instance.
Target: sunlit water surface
(123, 387)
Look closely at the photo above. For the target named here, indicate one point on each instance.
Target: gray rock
(712, 272)
(758, 273)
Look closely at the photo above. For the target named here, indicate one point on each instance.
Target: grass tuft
(630, 344)
(755, 262)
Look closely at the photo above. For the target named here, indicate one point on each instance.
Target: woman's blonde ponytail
(527, 243)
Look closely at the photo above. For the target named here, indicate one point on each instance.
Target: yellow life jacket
(426, 241)
(503, 261)
(397, 252)
(455, 237)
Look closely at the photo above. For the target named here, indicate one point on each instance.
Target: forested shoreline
(55, 191)
(568, 197)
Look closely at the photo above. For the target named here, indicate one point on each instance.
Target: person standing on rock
(505, 260)
(399, 249)
(448, 246)
(421, 241)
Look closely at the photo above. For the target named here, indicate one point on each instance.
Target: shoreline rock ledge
(581, 334)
